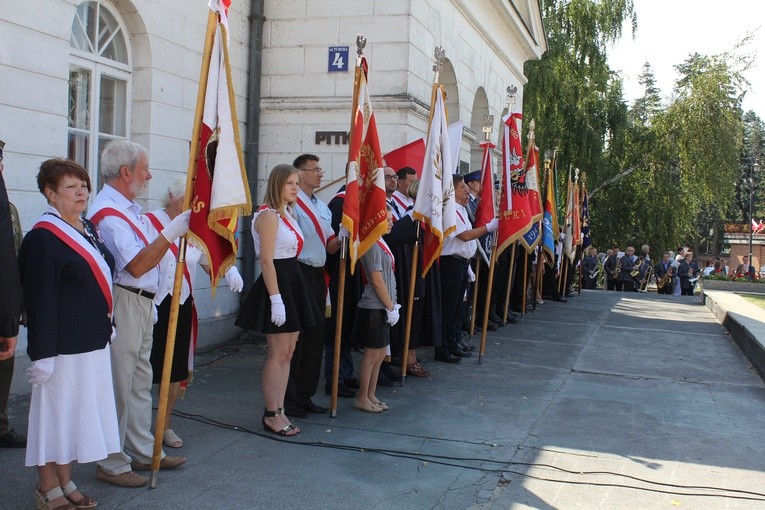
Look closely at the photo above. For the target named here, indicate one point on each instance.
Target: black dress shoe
(343, 391)
(310, 407)
(493, 317)
(466, 346)
(353, 384)
(443, 354)
(13, 440)
(383, 381)
(460, 352)
(512, 319)
(389, 371)
(294, 411)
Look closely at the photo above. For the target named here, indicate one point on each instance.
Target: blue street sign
(338, 59)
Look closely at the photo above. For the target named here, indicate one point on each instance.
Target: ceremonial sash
(462, 219)
(401, 202)
(158, 226)
(308, 209)
(72, 238)
(385, 248)
(289, 225)
(111, 211)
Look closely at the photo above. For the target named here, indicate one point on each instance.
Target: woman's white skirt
(72, 416)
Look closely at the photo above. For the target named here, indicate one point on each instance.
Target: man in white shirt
(391, 180)
(457, 250)
(137, 253)
(406, 176)
(315, 221)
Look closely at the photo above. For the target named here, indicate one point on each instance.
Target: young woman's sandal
(171, 439)
(288, 430)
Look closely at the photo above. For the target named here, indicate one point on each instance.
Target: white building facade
(75, 74)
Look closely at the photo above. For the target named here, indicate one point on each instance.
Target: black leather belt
(140, 292)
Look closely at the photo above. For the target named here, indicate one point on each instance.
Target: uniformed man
(10, 307)
(629, 262)
(664, 272)
(590, 269)
(613, 281)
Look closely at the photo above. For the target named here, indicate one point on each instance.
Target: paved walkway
(611, 400)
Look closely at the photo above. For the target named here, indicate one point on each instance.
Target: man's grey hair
(177, 188)
(119, 153)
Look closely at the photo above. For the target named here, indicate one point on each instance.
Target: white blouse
(288, 236)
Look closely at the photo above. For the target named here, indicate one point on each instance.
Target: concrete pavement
(608, 401)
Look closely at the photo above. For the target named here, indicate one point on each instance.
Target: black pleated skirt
(302, 310)
(180, 367)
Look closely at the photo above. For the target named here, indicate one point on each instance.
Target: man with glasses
(315, 221)
(391, 184)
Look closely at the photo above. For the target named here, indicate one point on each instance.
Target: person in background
(66, 271)
(279, 304)
(745, 269)
(10, 307)
(376, 312)
(185, 333)
(589, 269)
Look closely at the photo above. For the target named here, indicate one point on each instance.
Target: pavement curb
(747, 331)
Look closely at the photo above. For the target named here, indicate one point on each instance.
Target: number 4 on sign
(338, 59)
(338, 62)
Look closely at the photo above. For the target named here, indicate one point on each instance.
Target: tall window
(99, 84)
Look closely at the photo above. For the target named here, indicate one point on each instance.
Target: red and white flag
(514, 211)
(434, 205)
(221, 193)
(487, 207)
(757, 228)
(364, 208)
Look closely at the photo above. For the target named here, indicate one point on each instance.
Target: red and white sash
(102, 213)
(72, 238)
(288, 223)
(324, 230)
(402, 202)
(383, 245)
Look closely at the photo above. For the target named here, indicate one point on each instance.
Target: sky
(670, 30)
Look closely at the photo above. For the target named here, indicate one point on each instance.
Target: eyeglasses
(318, 170)
(391, 177)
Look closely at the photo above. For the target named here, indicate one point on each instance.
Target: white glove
(471, 274)
(40, 371)
(343, 233)
(492, 225)
(278, 312)
(177, 227)
(393, 315)
(234, 279)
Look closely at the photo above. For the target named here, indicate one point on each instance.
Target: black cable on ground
(441, 460)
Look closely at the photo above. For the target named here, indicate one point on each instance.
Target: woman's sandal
(416, 370)
(43, 500)
(288, 431)
(379, 403)
(368, 406)
(83, 502)
(171, 439)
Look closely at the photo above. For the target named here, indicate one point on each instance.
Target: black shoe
(353, 384)
(493, 317)
(343, 391)
(310, 407)
(13, 440)
(466, 346)
(443, 354)
(390, 372)
(294, 411)
(383, 381)
(458, 351)
(512, 319)
(569, 294)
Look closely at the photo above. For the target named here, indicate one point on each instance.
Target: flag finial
(576, 175)
(488, 123)
(438, 55)
(361, 42)
(511, 91)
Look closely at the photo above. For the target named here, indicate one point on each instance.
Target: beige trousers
(131, 373)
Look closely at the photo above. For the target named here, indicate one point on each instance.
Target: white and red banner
(515, 217)
(364, 208)
(221, 193)
(487, 207)
(434, 205)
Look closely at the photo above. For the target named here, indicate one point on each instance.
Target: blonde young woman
(279, 304)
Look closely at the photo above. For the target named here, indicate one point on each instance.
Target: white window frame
(101, 66)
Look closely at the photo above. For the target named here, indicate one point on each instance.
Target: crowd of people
(95, 292)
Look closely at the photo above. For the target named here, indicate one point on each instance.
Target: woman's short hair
(53, 170)
(275, 187)
(119, 153)
(177, 188)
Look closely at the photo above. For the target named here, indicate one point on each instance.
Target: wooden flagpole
(525, 281)
(439, 55)
(509, 282)
(164, 388)
(361, 41)
(475, 294)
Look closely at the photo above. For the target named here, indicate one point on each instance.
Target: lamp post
(754, 170)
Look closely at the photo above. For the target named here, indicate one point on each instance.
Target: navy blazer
(66, 310)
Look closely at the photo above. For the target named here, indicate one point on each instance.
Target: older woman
(185, 334)
(279, 304)
(66, 274)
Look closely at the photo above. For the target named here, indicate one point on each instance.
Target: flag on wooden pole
(487, 206)
(514, 211)
(364, 209)
(550, 219)
(221, 193)
(434, 205)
